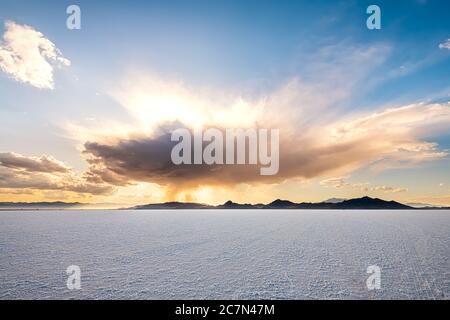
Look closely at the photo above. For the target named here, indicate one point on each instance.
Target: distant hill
(419, 205)
(369, 203)
(39, 205)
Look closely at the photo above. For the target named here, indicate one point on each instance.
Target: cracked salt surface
(232, 254)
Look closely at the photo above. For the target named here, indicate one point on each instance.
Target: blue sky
(233, 41)
(247, 49)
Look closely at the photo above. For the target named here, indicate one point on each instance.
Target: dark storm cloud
(148, 159)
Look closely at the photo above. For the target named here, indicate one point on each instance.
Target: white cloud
(338, 182)
(28, 56)
(341, 182)
(445, 45)
(389, 189)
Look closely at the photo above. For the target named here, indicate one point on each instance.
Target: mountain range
(357, 203)
(365, 203)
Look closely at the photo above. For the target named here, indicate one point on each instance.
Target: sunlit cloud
(32, 164)
(342, 182)
(336, 182)
(445, 45)
(152, 102)
(382, 140)
(18, 172)
(28, 56)
(389, 189)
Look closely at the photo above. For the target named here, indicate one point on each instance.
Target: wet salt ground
(225, 254)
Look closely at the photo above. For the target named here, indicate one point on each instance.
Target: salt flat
(226, 254)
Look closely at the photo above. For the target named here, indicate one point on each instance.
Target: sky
(86, 115)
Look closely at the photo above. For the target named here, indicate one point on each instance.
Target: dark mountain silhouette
(232, 205)
(370, 203)
(281, 204)
(315, 205)
(358, 203)
(365, 203)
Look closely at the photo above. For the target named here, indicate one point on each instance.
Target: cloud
(151, 162)
(338, 182)
(383, 140)
(32, 164)
(392, 135)
(28, 56)
(319, 136)
(341, 182)
(389, 189)
(16, 191)
(445, 45)
(18, 172)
